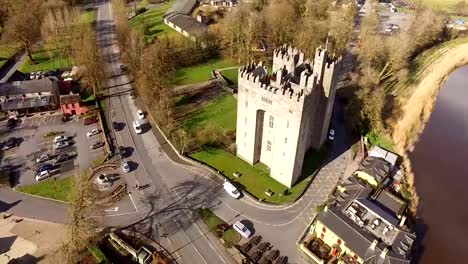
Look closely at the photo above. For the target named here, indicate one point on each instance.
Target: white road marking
(115, 209)
(190, 241)
(131, 199)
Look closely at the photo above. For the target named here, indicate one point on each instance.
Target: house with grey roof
(178, 17)
(373, 170)
(29, 96)
(355, 228)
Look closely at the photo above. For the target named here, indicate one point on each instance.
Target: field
(200, 72)
(53, 188)
(45, 62)
(255, 179)
(221, 112)
(444, 4)
(231, 75)
(151, 22)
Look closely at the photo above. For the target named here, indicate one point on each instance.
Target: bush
(53, 133)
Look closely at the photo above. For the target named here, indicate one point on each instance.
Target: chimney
(402, 221)
(384, 253)
(374, 244)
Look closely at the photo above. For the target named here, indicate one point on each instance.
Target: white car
(331, 135)
(141, 115)
(92, 132)
(43, 158)
(231, 189)
(58, 139)
(242, 229)
(137, 126)
(62, 144)
(42, 175)
(125, 166)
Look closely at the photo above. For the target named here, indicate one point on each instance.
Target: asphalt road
(165, 210)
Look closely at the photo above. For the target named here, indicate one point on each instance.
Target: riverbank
(418, 97)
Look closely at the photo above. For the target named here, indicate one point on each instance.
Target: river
(440, 165)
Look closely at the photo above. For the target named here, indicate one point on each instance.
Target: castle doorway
(258, 135)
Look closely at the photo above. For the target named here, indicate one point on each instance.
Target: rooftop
(379, 152)
(187, 23)
(390, 201)
(27, 102)
(27, 87)
(375, 167)
(70, 98)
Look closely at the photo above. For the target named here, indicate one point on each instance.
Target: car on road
(89, 121)
(140, 114)
(122, 151)
(137, 126)
(62, 157)
(125, 167)
(43, 167)
(42, 175)
(58, 139)
(331, 134)
(9, 144)
(231, 189)
(97, 145)
(43, 158)
(242, 229)
(62, 144)
(93, 132)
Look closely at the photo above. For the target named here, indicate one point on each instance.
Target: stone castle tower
(282, 115)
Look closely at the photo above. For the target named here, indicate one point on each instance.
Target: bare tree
(5, 9)
(282, 21)
(24, 24)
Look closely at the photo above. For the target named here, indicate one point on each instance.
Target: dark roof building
(29, 96)
(178, 17)
(373, 170)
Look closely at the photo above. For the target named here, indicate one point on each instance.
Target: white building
(282, 115)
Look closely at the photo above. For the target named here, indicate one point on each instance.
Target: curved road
(165, 210)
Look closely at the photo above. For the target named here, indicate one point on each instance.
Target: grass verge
(53, 188)
(200, 72)
(6, 51)
(255, 179)
(380, 140)
(45, 61)
(231, 75)
(230, 236)
(98, 254)
(221, 112)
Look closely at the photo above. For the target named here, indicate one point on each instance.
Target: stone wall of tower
(279, 119)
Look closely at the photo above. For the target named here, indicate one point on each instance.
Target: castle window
(272, 119)
(287, 124)
(245, 134)
(266, 100)
(290, 111)
(339, 241)
(246, 103)
(285, 140)
(245, 120)
(283, 154)
(268, 145)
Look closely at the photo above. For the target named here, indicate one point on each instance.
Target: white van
(137, 126)
(231, 189)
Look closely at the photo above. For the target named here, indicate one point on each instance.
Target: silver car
(126, 167)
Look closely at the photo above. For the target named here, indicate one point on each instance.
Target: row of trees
(307, 24)
(384, 62)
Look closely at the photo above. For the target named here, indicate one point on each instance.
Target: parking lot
(31, 142)
(399, 20)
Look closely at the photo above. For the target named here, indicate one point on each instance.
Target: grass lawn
(200, 72)
(151, 22)
(45, 62)
(6, 51)
(443, 4)
(98, 254)
(255, 179)
(380, 140)
(231, 75)
(89, 16)
(51, 188)
(221, 112)
(230, 236)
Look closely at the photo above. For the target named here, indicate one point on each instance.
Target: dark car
(9, 144)
(44, 167)
(11, 123)
(62, 157)
(122, 151)
(89, 121)
(97, 145)
(116, 126)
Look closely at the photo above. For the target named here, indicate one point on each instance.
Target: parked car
(122, 151)
(42, 175)
(62, 157)
(125, 167)
(32, 75)
(43, 158)
(93, 132)
(231, 189)
(140, 114)
(89, 121)
(62, 144)
(97, 145)
(61, 138)
(331, 134)
(242, 229)
(137, 126)
(43, 167)
(116, 126)
(9, 144)
(11, 123)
